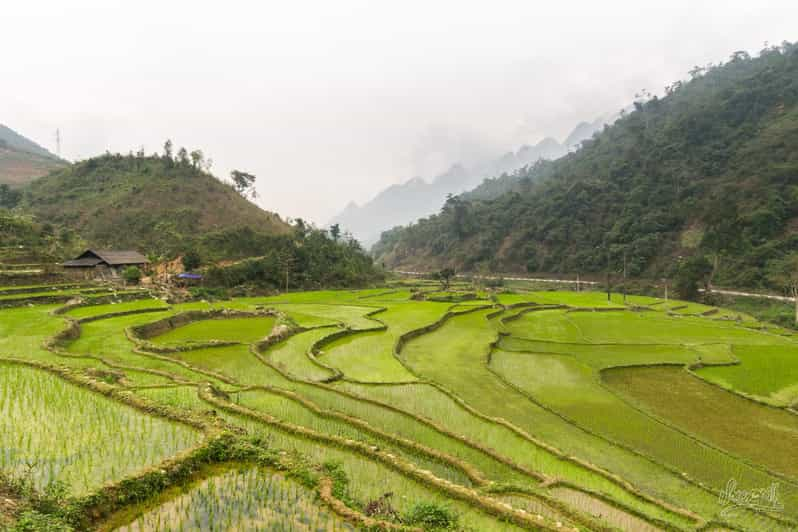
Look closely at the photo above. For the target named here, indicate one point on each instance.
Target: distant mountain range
(406, 202)
(707, 171)
(22, 160)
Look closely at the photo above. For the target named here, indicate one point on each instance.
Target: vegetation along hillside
(406, 202)
(708, 170)
(160, 204)
(22, 160)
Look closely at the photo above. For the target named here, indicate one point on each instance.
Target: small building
(103, 264)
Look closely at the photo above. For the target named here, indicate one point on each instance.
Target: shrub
(191, 260)
(692, 273)
(33, 521)
(131, 274)
(430, 516)
(203, 292)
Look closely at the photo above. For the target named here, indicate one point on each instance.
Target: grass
(781, 313)
(762, 434)
(106, 440)
(245, 330)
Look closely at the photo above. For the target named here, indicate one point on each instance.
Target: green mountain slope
(155, 204)
(710, 168)
(22, 160)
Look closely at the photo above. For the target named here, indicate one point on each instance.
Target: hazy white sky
(333, 100)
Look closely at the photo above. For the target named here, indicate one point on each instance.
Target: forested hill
(710, 168)
(161, 205)
(22, 160)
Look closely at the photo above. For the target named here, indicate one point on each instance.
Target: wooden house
(103, 264)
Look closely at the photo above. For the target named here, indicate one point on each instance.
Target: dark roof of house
(116, 258)
(83, 263)
(93, 257)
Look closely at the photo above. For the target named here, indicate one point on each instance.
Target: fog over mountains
(406, 202)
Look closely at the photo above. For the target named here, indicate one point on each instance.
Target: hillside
(22, 160)
(152, 203)
(709, 169)
(406, 202)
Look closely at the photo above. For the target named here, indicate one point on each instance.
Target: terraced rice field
(64, 433)
(348, 410)
(241, 500)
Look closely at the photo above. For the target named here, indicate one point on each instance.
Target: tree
(243, 182)
(197, 159)
(335, 232)
(131, 275)
(191, 260)
(167, 149)
(182, 156)
(286, 261)
(9, 197)
(301, 228)
(692, 273)
(445, 277)
(784, 273)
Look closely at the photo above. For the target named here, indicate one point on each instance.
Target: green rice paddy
(595, 414)
(64, 433)
(241, 500)
(245, 330)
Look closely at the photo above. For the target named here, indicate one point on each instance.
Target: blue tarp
(194, 276)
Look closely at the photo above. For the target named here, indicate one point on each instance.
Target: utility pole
(609, 292)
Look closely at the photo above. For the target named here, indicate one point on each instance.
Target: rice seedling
(292, 356)
(124, 306)
(768, 372)
(535, 400)
(247, 499)
(573, 390)
(354, 317)
(245, 330)
(287, 410)
(62, 432)
(450, 357)
(106, 339)
(369, 356)
(369, 480)
(733, 423)
(23, 330)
